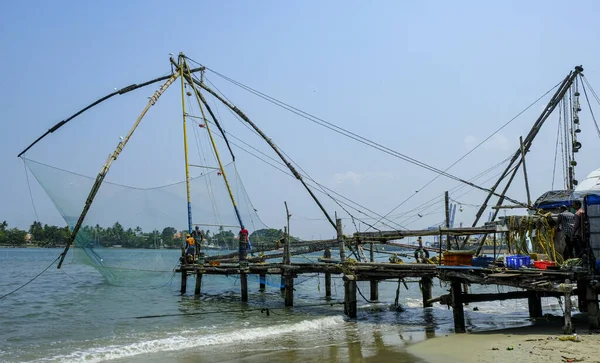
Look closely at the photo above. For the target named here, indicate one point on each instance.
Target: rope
(590, 107)
(30, 281)
(363, 296)
(556, 150)
(37, 218)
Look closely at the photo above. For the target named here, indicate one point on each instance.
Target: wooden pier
(535, 283)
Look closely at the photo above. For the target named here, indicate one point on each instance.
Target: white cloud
(348, 177)
(470, 141)
(498, 142)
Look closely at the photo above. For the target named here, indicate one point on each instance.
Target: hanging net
(131, 231)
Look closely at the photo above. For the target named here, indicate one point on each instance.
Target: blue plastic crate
(517, 261)
(482, 261)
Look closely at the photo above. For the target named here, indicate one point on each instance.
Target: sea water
(75, 315)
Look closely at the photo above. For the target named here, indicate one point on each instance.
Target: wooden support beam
(350, 303)
(592, 307)
(447, 210)
(534, 301)
(340, 238)
(289, 290)
(198, 283)
(244, 286)
(568, 327)
(523, 152)
(457, 307)
(327, 285)
(426, 287)
(183, 282)
(263, 279)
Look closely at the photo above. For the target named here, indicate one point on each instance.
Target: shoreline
(538, 342)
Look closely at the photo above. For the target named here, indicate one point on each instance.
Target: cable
(322, 186)
(30, 281)
(354, 136)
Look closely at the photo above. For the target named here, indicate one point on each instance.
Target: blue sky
(428, 79)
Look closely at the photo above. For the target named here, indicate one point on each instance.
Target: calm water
(74, 314)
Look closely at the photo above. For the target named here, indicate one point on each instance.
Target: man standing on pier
(421, 254)
(565, 222)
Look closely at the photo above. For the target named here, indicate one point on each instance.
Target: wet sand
(536, 343)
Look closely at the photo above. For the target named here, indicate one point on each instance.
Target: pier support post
(592, 306)
(457, 308)
(350, 303)
(426, 286)
(289, 290)
(183, 281)
(263, 279)
(374, 290)
(582, 296)
(327, 285)
(198, 283)
(374, 283)
(535, 304)
(568, 327)
(244, 286)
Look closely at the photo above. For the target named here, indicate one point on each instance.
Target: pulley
(578, 130)
(575, 182)
(576, 146)
(576, 121)
(201, 126)
(188, 93)
(576, 94)
(573, 163)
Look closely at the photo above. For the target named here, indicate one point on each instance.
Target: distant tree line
(96, 236)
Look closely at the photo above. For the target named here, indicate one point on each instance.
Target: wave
(182, 341)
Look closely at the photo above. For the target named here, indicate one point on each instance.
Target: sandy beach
(540, 342)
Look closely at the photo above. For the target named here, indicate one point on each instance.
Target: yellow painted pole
(185, 145)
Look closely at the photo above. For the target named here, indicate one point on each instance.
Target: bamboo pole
(109, 161)
(523, 152)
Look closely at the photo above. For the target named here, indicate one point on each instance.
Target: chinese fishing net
(130, 231)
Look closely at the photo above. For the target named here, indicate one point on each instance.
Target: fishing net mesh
(134, 231)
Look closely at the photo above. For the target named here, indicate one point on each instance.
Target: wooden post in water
(244, 286)
(327, 285)
(183, 281)
(374, 283)
(535, 304)
(568, 327)
(426, 286)
(198, 283)
(457, 308)
(592, 306)
(289, 289)
(350, 303)
(285, 256)
(340, 238)
(263, 279)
